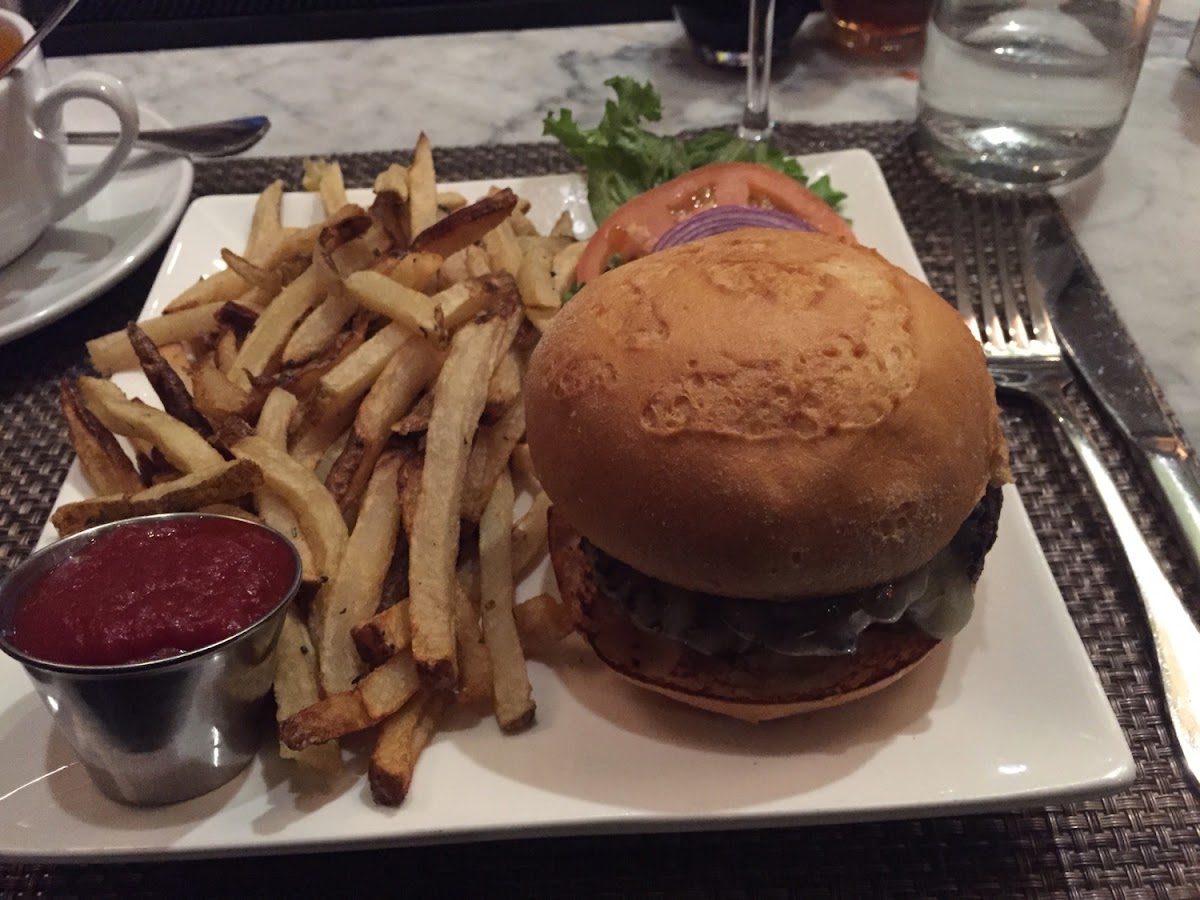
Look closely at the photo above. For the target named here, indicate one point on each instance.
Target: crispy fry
(416, 420)
(105, 465)
(265, 224)
(502, 249)
(263, 346)
(320, 520)
(167, 384)
(564, 226)
(215, 396)
(406, 374)
(320, 327)
(273, 427)
(529, 535)
(238, 318)
(405, 306)
(215, 484)
(465, 226)
(113, 352)
(489, 458)
(449, 201)
(302, 379)
(459, 397)
(218, 287)
(413, 270)
(402, 737)
(462, 302)
(325, 177)
(535, 281)
(383, 635)
(513, 694)
(564, 265)
(543, 621)
(351, 596)
(179, 357)
(422, 188)
(296, 687)
(183, 448)
(395, 179)
(475, 675)
(266, 281)
(504, 387)
(345, 383)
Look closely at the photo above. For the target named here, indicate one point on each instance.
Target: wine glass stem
(756, 117)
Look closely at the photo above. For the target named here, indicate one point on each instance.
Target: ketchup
(150, 590)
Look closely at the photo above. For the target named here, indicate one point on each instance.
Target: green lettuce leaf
(623, 159)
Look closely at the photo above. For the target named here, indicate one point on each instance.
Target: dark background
(112, 26)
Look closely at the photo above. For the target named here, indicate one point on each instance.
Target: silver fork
(1026, 359)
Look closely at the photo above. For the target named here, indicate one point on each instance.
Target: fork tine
(1012, 311)
(962, 284)
(992, 325)
(1039, 318)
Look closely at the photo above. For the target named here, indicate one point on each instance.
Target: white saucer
(102, 242)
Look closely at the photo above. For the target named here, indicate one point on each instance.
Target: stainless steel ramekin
(161, 731)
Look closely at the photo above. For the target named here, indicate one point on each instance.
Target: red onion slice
(720, 219)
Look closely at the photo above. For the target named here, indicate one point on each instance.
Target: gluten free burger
(775, 463)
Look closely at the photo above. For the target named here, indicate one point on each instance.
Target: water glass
(1029, 92)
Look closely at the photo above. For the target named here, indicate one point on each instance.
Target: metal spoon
(214, 139)
(44, 29)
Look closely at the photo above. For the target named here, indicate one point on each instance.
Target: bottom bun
(726, 685)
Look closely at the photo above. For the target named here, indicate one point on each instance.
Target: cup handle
(113, 94)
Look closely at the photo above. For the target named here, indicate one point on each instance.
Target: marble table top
(1137, 216)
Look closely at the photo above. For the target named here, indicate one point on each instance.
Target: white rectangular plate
(1008, 714)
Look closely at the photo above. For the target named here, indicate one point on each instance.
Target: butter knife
(1102, 351)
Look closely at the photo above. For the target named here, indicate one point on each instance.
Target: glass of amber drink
(878, 27)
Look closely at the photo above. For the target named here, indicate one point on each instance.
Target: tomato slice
(634, 229)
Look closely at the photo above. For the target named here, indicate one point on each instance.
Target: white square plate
(1008, 714)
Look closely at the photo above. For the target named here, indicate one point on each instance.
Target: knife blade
(1102, 352)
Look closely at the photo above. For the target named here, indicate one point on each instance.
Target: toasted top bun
(770, 414)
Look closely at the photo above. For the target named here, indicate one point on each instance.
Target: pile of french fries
(357, 385)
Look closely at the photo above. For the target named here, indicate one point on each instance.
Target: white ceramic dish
(100, 243)
(1009, 714)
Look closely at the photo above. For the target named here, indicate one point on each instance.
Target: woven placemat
(1143, 843)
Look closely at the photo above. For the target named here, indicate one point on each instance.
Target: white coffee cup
(34, 188)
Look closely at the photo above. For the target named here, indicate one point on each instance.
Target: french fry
(320, 327)
(416, 420)
(413, 270)
(215, 484)
(402, 737)
(265, 225)
(296, 687)
(449, 201)
(320, 519)
(343, 385)
(529, 535)
(406, 374)
(267, 282)
(179, 357)
(113, 353)
(459, 397)
(273, 427)
(462, 302)
(217, 288)
(105, 465)
(263, 346)
(377, 695)
(395, 179)
(214, 395)
(564, 266)
(383, 635)
(325, 177)
(513, 694)
(502, 249)
(352, 595)
(543, 621)
(489, 459)
(535, 281)
(183, 448)
(405, 306)
(422, 188)
(475, 676)
(564, 226)
(167, 384)
(467, 225)
(504, 387)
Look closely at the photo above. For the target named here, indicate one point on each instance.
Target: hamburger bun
(764, 414)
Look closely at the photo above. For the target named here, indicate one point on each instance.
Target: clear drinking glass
(756, 114)
(1029, 93)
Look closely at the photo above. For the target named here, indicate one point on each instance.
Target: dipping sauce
(150, 590)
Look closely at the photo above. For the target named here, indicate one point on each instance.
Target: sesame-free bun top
(763, 413)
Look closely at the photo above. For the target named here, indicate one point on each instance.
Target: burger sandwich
(775, 463)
